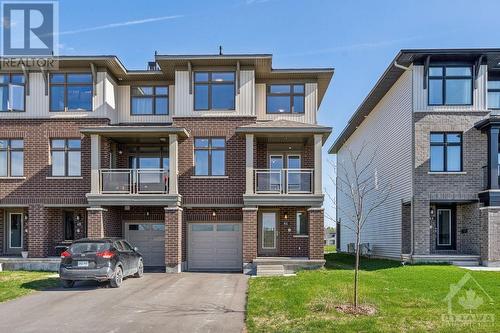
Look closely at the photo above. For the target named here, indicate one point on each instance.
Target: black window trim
(65, 84)
(209, 83)
(66, 149)
(134, 151)
(443, 79)
(497, 79)
(292, 94)
(445, 144)
(303, 232)
(153, 96)
(9, 151)
(210, 149)
(10, 82)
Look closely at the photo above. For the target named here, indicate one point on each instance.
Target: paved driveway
(186, 302)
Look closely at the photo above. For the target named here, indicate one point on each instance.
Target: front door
(14, 232)
(268, 233)
(446, 229)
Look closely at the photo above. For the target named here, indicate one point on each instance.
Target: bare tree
(357, 180)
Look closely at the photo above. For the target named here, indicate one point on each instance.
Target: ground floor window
(302, 223)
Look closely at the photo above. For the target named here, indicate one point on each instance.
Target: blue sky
(358, 38)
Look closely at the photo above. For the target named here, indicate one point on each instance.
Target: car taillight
(105, 254)
(65, 254)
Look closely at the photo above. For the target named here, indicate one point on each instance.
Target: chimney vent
(152, 66)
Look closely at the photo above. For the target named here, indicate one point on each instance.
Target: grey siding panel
(124, 108)
(388, 132)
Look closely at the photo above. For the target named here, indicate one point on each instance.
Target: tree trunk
(356, 272)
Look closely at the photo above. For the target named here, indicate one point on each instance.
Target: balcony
(133, 181)
(283, 181)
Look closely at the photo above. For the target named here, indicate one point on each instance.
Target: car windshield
(88, 247)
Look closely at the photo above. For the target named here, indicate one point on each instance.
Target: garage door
(214, 246)
(149, 238)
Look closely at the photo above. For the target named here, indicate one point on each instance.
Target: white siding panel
(420, 100)
(124, 109)
(388, 131)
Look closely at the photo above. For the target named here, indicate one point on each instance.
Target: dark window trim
(9, 151)
(153, 96)
(210, 149)
(292, 94)
(306, 232)
(209, 83)
(445, 144)
(65, 84)
(492, 90)
(66, 149)
(443, 79)
(135, 152)
(7, 84)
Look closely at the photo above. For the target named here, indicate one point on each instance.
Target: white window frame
(22, 231)
(449, 222)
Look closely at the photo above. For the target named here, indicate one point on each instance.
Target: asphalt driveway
(158, 302)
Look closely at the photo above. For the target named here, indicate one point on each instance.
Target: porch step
(467, 263)
(270, 270)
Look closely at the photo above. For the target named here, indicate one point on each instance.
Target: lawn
(14, 284)
(407, 299)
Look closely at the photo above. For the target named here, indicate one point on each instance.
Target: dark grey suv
(103, 259)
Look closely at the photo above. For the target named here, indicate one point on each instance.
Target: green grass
(330, 248)
(407, 298)
(14, 284)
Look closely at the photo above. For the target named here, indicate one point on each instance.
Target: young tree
(357, 181)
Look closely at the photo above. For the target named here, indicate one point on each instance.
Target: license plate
(83, 264)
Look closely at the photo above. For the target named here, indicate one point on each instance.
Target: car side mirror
(136, 249)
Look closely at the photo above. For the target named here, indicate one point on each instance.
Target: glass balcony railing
(283, 181)
(133, 181)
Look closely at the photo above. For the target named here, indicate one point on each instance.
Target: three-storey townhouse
(204, 162)
(432, 121)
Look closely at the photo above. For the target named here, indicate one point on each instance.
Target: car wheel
(140, 270)
(117, 279)
(67, 283)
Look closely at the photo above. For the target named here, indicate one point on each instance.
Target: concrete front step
(468, 263)
(270, 270)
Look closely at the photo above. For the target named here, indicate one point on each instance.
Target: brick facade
(249, 234)
(173, 239)
(490, 233)
(406, 228)
(316, 233)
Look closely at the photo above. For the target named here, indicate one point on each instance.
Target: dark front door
(446, 228)
(268, 233)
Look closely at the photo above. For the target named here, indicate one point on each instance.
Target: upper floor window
(450, 85)
(209, 156)
(494, 93)
(66, 157)
(12, 92)
(11, 157)
(214, 91)
(446, 152)
(149, 100)
(71, 92)
(285, 98)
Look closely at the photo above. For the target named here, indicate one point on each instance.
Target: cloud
(120, 24)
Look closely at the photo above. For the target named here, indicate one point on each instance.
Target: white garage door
(215, 246)
(149, 238)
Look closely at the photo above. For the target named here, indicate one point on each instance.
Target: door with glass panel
(268, 233)
(14, 232)
(150, 166)
(445, 229)
(276, 164)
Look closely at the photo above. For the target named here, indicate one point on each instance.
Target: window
(149, 100)
(450, 85)
(285, 98)
(71, 92)
(446, 152)
(12, 92)
(494, 93)
(11, 158)
(209, 156)
(66, 157)
(214, 91)
(302, 225)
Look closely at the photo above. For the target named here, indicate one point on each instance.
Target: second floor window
(149, 100)
(11, 157)
(494, 93)
(285, 98)
(446, 152)
(12, 92)
(66, 157)
(450, 85)
(71, 92)
(209, 156)
(214, 91)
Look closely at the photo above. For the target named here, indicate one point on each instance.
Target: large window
(12, 92)
(11, 158)
(71, 92)
(450, 85)
(66, 157)
(302, 224)
(209, 156)
(285, 98)
(148, 100)
(214, 90)
(494, 93)
(446, 152)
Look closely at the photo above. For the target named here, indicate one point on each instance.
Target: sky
(358, 38)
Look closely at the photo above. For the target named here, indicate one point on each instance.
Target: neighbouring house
(204, 162)
(329, 236)
(433, 121)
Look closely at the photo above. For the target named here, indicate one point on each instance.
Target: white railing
(283, 181)
(133, 181)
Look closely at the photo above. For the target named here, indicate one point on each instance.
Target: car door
(132, 256)
(122, 256)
